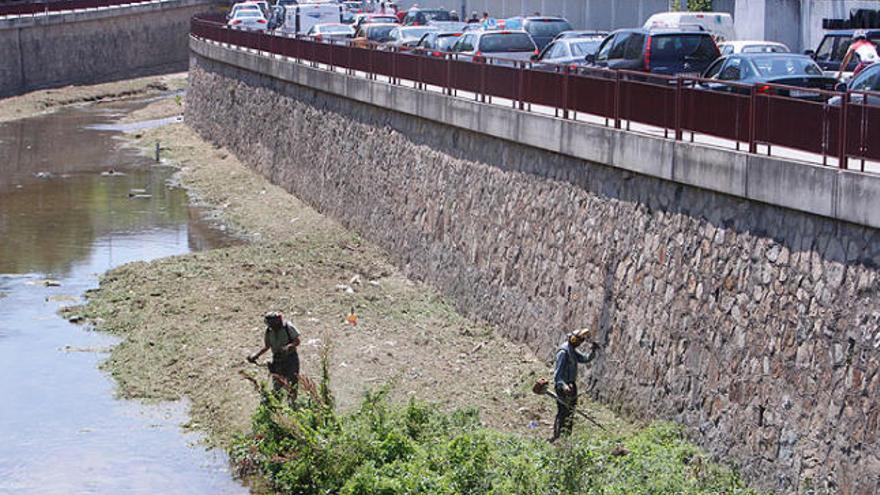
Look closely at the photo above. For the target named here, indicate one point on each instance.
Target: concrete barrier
(734, 293)
(94, 46)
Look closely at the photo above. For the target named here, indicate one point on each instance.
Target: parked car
(763, 69)
(866, 80)
(408, 36)
(742, 46)
(669, 52)
(580, 34)
(718, 24)
(512, 45)
(249, 19)
(436, 43)
(331, 31)
(829, 55)
(422, 17)
(568, 50)
(542, 29)
(242, 6)
(375, 33)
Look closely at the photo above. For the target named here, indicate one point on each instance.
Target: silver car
(331, 31)
(408, 36)
(511, 45)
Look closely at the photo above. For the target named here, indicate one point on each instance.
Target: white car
(718, 24)
(409, 36)
(331, 31)
(241, 6)
(734, 47)
(248, 19)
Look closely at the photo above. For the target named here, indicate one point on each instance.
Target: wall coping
(64, 17)
(830, 192)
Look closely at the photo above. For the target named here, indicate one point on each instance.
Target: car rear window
(584, 48)
(786, 66)
(683, 46)
(415, 33)
(436, 15)
(380, 33)
(335, 29)
(547, 27)
(445, 42)
(248, 13)
(764, 49)
(506, 42)
(380, 19)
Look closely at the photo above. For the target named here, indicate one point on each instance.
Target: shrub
(389, 449)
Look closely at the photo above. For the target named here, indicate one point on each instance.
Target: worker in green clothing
(283, 339)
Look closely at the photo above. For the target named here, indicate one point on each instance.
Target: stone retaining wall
(95, 46)
(754, 325)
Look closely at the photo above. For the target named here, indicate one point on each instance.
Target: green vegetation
(387, 449)
(692, 5)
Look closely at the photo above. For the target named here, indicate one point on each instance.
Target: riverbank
(48, 100)
(189, 321)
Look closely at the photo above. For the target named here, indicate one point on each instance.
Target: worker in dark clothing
(283, 339)
(565, 379)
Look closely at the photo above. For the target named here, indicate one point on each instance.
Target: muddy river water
(64, 220)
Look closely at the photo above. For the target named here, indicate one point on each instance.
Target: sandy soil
(48, 100)
(189, 321)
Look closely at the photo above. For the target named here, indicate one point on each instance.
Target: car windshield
(380, 33)
(445, 42)
(506, 42)
(786, 66)
(683, 46)
(415, 33)
(586, 47)
(436, 15)
(764, 49)
(547, 27)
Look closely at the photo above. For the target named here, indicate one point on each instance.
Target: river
(73, 204)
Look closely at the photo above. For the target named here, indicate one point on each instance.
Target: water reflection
(61, 430)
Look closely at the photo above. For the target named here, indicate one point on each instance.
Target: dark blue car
(764, 69)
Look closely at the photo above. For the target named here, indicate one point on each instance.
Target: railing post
(617, 99)
(520, 86)
(482, 95)
(565, 75)
(678, 113)
(753, 120)
(842, 132)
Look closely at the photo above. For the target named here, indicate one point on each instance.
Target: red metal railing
(31, 8)
(830, 125)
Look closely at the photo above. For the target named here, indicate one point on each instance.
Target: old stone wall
(754, 325)
(95, 46)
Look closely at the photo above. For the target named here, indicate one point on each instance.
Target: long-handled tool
(542, 387)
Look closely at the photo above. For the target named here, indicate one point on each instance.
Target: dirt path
(189, 321)
(48, 100)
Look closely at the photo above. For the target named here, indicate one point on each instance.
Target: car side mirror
(840, 87)
(591, 58)
(810, 53)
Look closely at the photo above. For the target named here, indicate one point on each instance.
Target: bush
(387, 449)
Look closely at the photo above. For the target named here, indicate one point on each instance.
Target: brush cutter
(542, 387)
